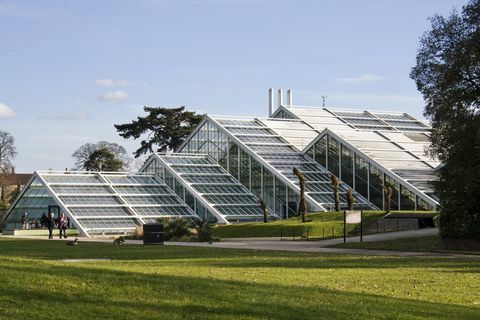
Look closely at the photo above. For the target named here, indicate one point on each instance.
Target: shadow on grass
(80, 292)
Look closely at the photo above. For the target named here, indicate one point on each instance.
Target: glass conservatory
(227, 164)
(97, 203)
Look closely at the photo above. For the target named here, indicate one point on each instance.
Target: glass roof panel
(86, 200)
(132, 179)
(113, 223)
(212, 184)
(202, 170)
(142, 189)
(164, 199)
(232, 199)
(99, 211)
(82, 189)
(71, 178)
(162, 211)
(210, 179)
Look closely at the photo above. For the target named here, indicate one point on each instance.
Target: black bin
(153, 233)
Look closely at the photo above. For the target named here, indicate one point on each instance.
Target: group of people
(48, 221)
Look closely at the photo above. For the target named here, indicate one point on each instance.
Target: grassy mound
(322, 225)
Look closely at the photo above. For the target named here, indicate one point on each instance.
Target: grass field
(429, 244)
(321, 225)
(166, 282)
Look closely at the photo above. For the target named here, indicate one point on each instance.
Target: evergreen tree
(166, 128)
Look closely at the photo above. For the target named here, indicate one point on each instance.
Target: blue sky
(69, 70)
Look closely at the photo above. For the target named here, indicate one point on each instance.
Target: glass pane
(376, 187)
(320, 151)
(347, 166)
(333, 156)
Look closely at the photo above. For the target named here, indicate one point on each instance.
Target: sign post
(361, 226)
(352, 217)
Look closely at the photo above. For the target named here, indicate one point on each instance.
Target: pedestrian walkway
(321, 246)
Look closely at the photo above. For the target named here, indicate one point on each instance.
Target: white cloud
(6, 111)
(113, 96)
(366, 77)
(111, 83)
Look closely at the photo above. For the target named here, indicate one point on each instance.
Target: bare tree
(7, 152)
(336, 196)
(350, 199)
(388, 198)
(302, 208)
(264, 207)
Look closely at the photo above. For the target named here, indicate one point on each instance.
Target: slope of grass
(424, 244)
(323, 224)
(166, 282)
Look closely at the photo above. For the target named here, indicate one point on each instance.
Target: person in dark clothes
(50, 225)
(25, 221)
(43, 220)
(62, 225)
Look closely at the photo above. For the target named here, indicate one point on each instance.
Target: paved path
(305, 246)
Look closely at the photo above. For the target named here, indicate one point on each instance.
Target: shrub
(177, 228)
(204, 231)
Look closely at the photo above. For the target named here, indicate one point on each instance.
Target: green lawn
(166, 282)
(326, 224)
(429, 244)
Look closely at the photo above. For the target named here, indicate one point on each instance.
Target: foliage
(336, 195)
(176, 228)
(14, 194)
(447, 73)
(350, 199)
(166, 128)
(85, 152)
(4, 204)
(388, 198)
(204, 231)
(302, 206)
(103, 160)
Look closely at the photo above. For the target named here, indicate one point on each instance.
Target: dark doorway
(56, 212)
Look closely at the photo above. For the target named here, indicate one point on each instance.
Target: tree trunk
(336, 196)
(302, 208)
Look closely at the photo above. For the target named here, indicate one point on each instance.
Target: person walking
(50, 225)
(43, 220)
(62, 225)
(25, 221)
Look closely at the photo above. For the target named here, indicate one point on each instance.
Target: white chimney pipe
(280, 97)
(289, 98)
(271, 108)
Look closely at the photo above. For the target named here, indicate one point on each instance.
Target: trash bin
(153, 233)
